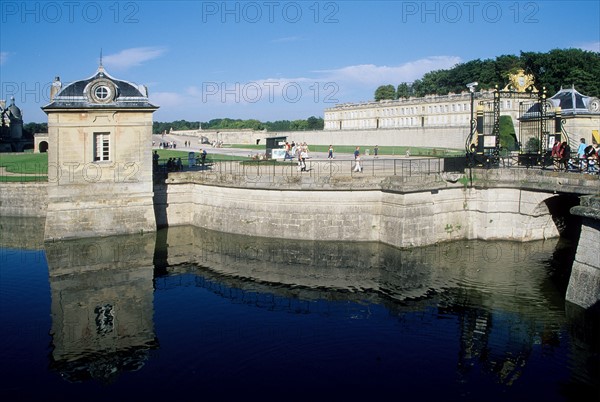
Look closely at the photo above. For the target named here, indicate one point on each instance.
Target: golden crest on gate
(520, 82)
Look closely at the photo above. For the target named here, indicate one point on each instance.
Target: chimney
(55, 88)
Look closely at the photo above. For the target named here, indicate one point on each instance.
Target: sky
(268, 60)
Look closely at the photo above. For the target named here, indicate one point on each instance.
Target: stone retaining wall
(24, 199)
(400, 211)
(439, 137)
(584, 283)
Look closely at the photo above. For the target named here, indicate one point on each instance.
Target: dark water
(188, 314)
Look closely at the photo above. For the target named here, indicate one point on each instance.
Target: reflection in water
(102, 305)
(493, 289)
(368, 270)
(22, 232)
(485, 310)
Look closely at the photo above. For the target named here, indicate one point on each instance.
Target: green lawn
(22, 179)
(26, 163)
(25, 167)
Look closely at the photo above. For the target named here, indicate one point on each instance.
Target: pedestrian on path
(357, 166)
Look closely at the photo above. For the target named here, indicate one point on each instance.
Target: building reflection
(497, 295)
(22, 232)
(102, 306)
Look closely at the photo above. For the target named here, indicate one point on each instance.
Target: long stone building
(443, 121)
(431, 111)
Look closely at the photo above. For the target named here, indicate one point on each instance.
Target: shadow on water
(506, 299)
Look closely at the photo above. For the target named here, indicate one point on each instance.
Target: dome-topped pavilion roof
(14, 111)
(100, 91)
(573, 102)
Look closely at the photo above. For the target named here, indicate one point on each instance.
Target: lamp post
(470, 142)
(471, 87)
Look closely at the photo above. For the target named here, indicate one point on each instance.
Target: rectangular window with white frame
(101, 147)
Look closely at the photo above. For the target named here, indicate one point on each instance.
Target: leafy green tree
(253, 124)
(315, 123)
(299, 125)
(404, 91)
(563, 68)
(29, 129)
(532, 145)
(385, 92)
(417, 88)
(279, 125)
(552, 70)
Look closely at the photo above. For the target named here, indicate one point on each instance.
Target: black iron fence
(376, 167)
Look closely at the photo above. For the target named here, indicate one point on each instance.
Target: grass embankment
(23, 167)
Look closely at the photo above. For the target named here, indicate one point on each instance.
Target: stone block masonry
(23, 199)
(584, 283)
(400, 211)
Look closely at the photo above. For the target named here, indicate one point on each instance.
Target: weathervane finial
(100, 66)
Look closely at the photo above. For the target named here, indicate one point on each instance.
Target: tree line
(29, 129)
(312, 123)
(556, 68)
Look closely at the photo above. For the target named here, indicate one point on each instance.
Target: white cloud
(132, 57)
(371, 75)
(287, 97)
(590, 46)
(167, 99)
(3, 57)
(286, 39)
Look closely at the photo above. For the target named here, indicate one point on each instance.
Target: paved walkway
(317, 163)
(4, 172)
(196, 146)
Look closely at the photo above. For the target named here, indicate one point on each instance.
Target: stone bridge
(423, 207)
(419, 209)
(535, 180)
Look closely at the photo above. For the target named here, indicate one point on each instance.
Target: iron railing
(376, 167)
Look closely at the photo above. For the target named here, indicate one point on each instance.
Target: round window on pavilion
(101, 91)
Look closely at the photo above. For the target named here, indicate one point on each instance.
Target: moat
(188, 313)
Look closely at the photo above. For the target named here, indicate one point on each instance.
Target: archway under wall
(559, 207)
(40, 142)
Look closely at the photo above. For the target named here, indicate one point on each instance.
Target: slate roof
(128, 95)
(14, 111)
(571, 101)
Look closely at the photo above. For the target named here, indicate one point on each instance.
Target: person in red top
(556, 155)
(564, 155)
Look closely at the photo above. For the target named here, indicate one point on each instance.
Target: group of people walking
(587, 159)
(300, 153)
(297, 151)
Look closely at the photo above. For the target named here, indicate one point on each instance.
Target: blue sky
(269, 60)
